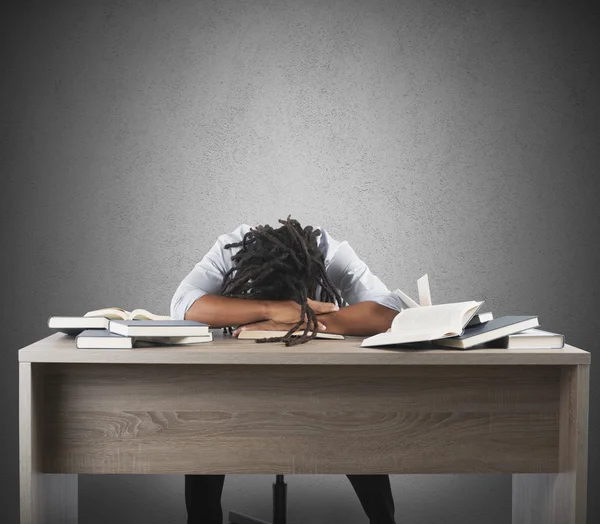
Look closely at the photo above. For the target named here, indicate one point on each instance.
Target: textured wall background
(455, 138)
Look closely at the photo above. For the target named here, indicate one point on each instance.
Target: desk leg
(560, 498)
(45, 498)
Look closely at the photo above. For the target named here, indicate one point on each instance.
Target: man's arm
(218, 311)
(372, 306)
(363, 319)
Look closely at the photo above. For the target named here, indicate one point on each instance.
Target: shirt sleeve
(353, 277)
(207, 275)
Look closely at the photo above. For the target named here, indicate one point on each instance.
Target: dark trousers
(203, 498)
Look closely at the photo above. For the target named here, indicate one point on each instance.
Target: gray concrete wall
(459, 139)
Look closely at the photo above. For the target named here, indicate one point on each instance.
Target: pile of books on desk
(461, 325)
(116, 328)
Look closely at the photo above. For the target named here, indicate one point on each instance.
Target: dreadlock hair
(281, 264)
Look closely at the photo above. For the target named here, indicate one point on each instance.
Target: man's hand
(289, 312)
(271, 325)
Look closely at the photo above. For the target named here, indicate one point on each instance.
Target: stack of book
(461, 325)
(116, 328)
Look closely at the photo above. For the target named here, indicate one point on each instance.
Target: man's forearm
(363, 319)
(218, 311)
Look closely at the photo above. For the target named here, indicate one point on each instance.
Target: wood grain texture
(45, 498)
(300, 419)
(230, 350)
(325, 407)
(560, 498)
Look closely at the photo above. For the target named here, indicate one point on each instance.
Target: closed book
(530, 339)
(424, 323)
(75, 325)
(178, 341)
(158, 328)
(491, 330)
(249, 334)
(102, 339)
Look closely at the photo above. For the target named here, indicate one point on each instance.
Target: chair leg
(279, 507)
(279, 500)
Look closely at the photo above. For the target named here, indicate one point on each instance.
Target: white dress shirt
(348, 273)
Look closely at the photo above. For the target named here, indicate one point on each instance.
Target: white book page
(111, 312)
(144, 314)
(406, 299)
(424, 292)
(436, 321)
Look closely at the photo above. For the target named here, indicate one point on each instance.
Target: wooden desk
(327, 407)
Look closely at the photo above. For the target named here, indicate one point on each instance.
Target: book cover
(159, 328)
(532, 338)
(178, 341)
(491, 330)
(75, 325)
(102, 339)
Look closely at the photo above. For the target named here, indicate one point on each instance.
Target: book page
(144, 314)
(446, 319)
(116, 313)
(469, 314)
(424, 292)
(406, 299)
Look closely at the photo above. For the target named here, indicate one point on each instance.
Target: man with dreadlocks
(290, 278)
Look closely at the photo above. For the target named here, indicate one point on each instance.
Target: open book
(417, 324)
(99, 319)
(117, 313)
(268, 334)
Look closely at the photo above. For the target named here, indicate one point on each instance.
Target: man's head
(281, 264)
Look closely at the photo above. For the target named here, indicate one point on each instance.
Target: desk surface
(523, 412)
(226, 349)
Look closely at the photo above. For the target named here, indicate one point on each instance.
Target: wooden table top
(226, 349)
